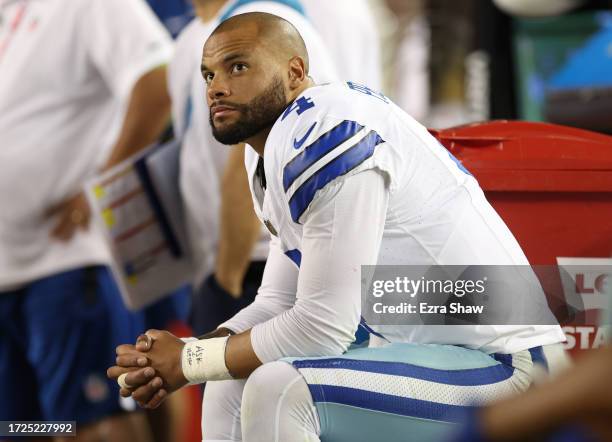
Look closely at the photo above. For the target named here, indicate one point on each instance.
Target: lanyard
(13, 28)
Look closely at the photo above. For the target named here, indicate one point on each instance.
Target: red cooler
(552, 185)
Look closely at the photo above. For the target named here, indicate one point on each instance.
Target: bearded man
(342, 178)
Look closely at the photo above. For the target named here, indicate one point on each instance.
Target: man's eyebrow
(234, 56)
(226, 59)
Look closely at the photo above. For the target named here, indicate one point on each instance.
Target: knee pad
(269, 384)
(277, 405)
(221, 410)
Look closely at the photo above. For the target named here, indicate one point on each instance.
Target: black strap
(261, 173)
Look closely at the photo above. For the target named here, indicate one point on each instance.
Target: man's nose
(218, 89)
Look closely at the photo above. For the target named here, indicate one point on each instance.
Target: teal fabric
(343, 423)
(441, 357)
(348, 423)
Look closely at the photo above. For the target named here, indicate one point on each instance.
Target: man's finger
(132, 360)
(124, 392)
(139, 377)
(144, 343)
(114, 372)
(159, 397)
(125, 348)
(154, 334)
(146, 392)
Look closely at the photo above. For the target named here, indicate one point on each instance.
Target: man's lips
(221, 110)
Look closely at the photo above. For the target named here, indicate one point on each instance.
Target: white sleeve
(275, 295)
(342, 232)
(124, 41)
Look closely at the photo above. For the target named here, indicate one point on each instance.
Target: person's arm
(275, 295)
(342, 232)
(146, 117)
(129, 49)
(239, 226)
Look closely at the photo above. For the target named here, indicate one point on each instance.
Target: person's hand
(590, 378)
(142, 381)
(144, 386)
(164, 355)
(153, 367)
(580, 397)
(71, 214)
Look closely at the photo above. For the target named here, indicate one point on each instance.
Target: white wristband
(204, 360)
(189, 339)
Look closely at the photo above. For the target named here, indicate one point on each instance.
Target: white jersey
(67, 70)
(351, 180)
(202, 157)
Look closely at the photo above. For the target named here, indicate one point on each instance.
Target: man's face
(245, 86)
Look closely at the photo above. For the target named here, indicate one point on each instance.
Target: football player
(342, 178)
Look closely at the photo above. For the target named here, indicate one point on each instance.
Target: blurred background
(450, 63)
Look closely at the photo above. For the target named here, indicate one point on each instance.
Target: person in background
(576, 406)
(229, 241)
(174, 14)
(406, 54)
(77, 79)
(351, 34)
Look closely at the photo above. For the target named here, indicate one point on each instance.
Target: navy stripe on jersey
(364, 325)
(387, 403)
(317, 150)
(339, 166)
(295, 255)
(538, 357)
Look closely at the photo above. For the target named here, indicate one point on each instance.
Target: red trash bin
(552, 185)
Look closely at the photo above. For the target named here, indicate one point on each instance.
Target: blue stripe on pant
(407, 391)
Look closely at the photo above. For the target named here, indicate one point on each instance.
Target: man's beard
(261, 113)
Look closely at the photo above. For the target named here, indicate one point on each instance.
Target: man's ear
(297, 72)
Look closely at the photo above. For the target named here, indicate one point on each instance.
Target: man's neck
(207, 10)
(258, 142)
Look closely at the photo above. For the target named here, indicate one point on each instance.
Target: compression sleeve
(342, 231)
(275, 295)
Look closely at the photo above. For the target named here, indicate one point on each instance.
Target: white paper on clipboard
(138, 207)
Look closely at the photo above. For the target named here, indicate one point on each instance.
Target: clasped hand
(153, 367)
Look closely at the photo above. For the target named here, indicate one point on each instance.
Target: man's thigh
(401, 389)
(19, 396)
(221, 410)
(75, 320)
